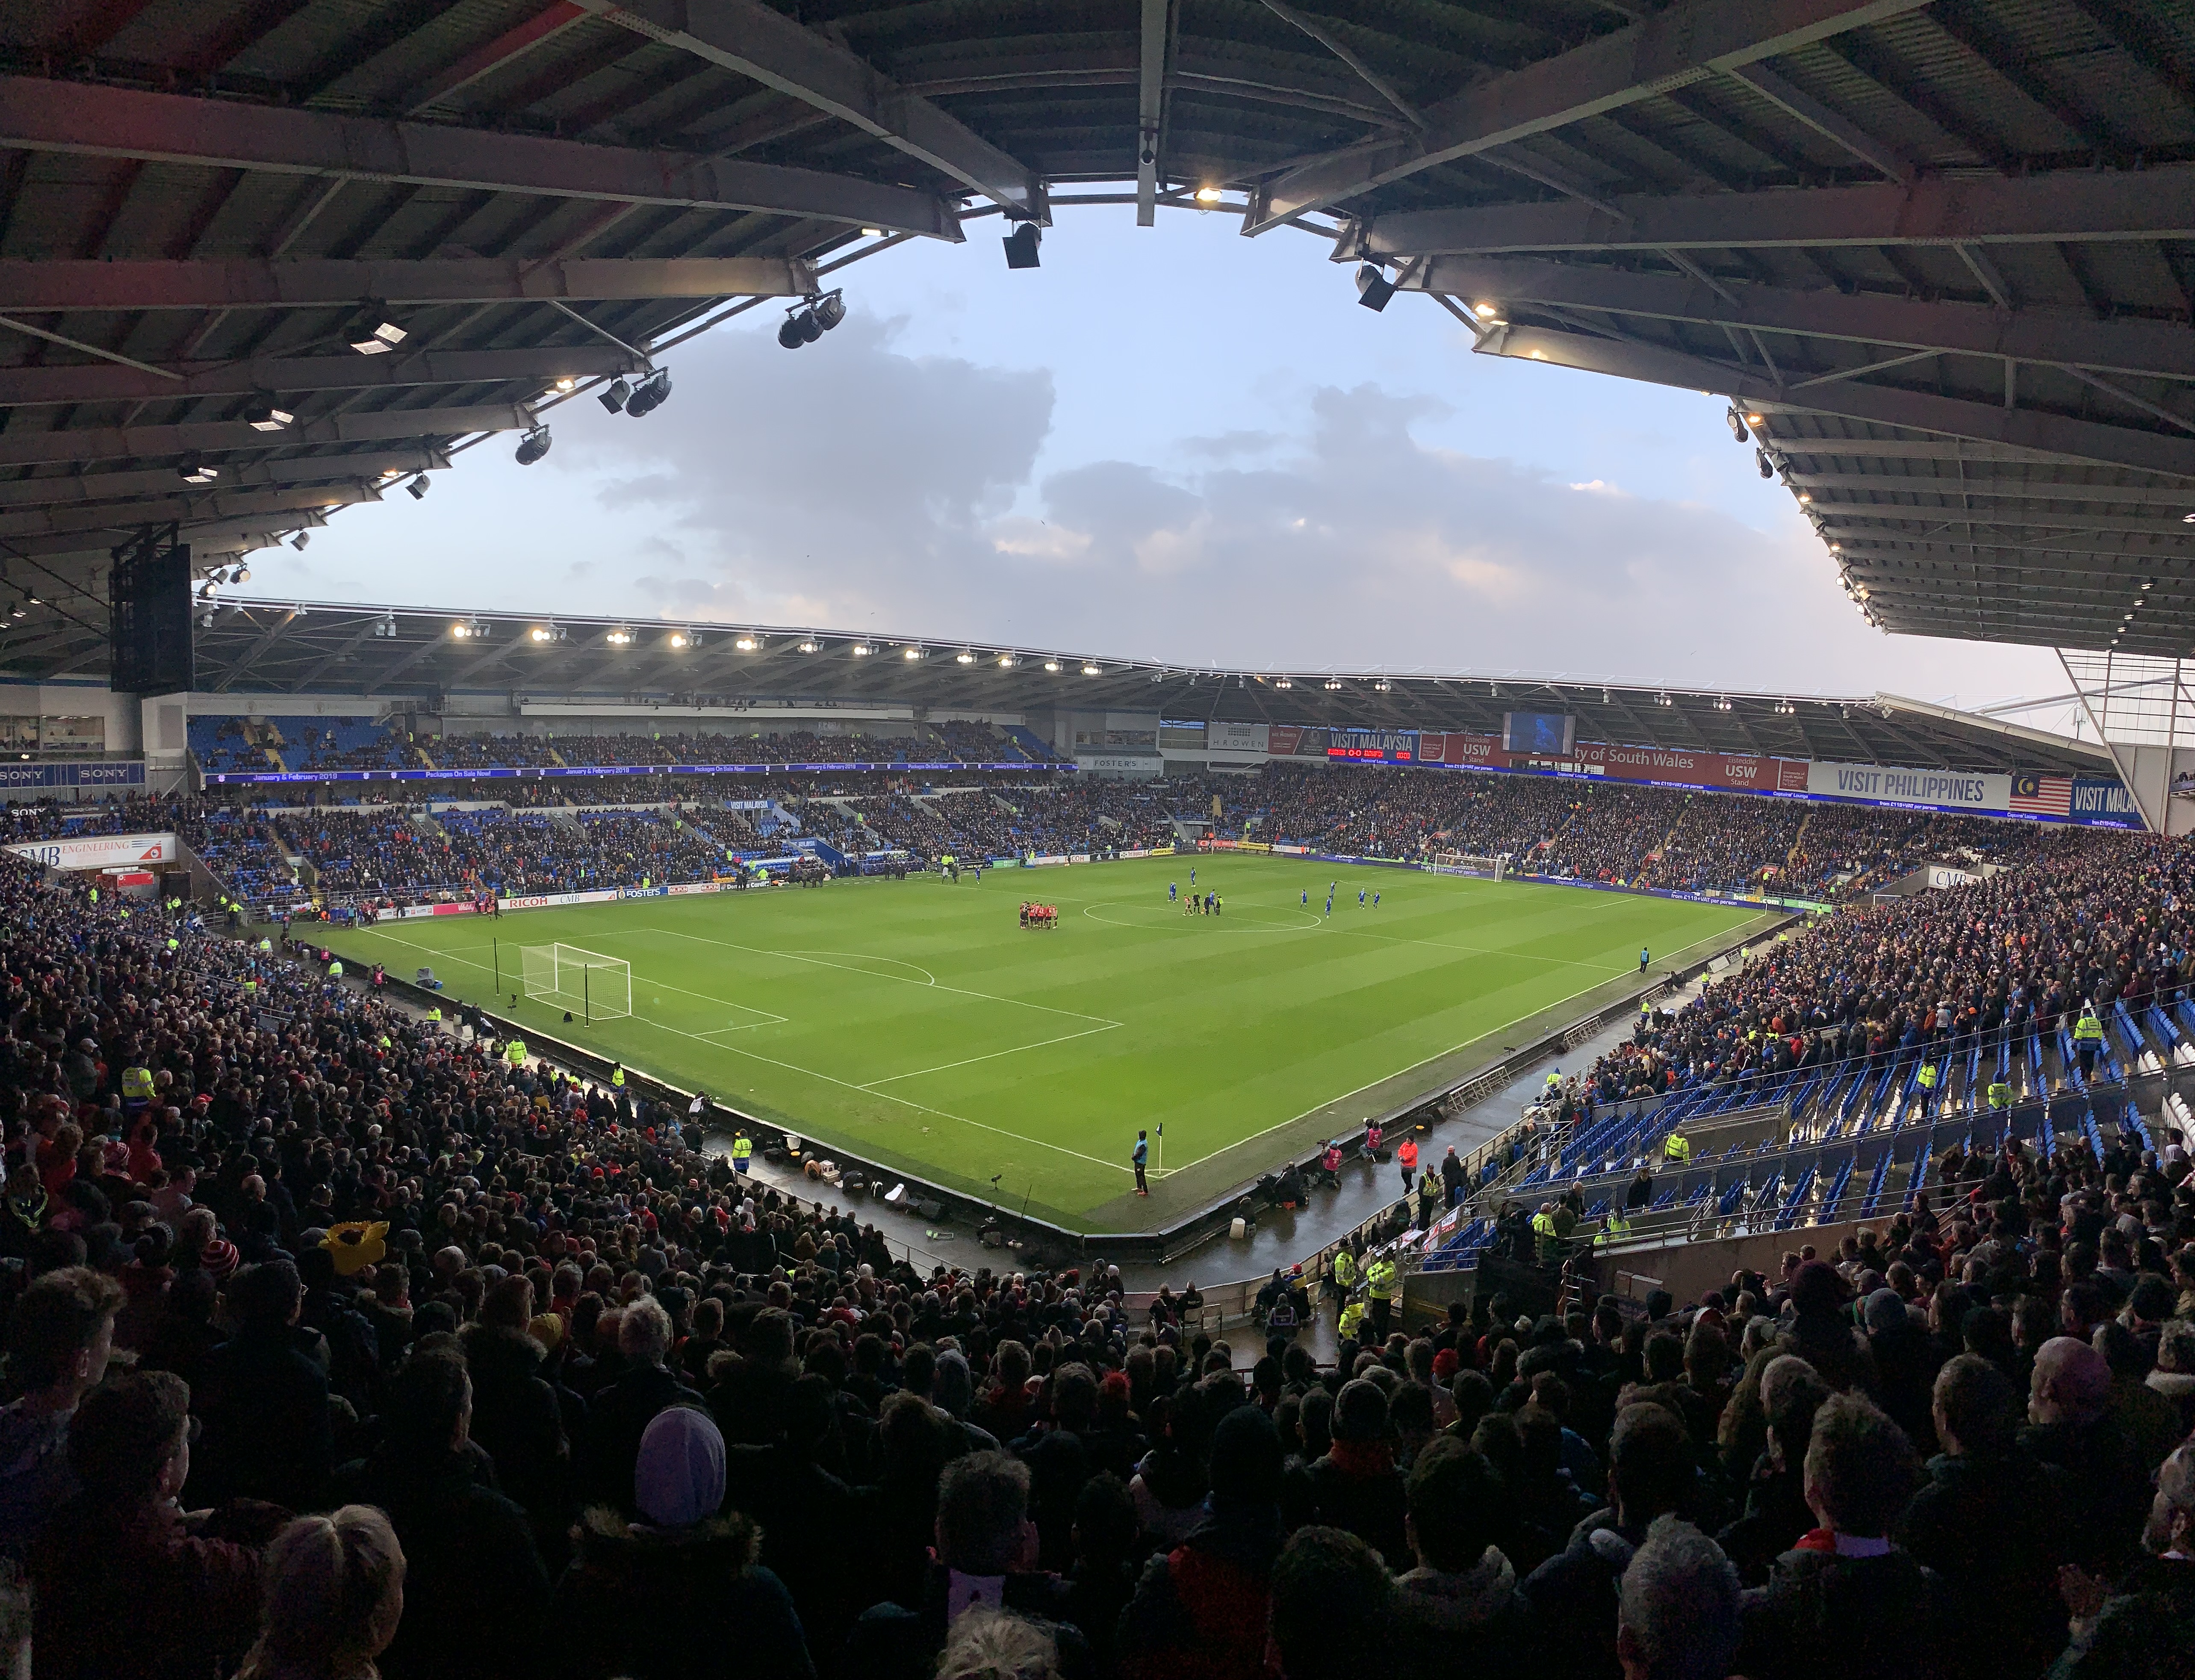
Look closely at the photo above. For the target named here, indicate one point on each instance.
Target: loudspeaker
(149, 616)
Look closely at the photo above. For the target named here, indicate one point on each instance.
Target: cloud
(852, 485)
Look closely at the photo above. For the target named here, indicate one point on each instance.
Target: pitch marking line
(828, 1078)
(969, 1062)
(796, 957)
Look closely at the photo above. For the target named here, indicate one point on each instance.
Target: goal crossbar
(592, 986)
(1470, 863)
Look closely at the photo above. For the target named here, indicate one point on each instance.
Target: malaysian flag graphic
(2037, 795)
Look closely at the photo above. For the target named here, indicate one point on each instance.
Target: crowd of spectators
(2094, 916)
(338, 1343)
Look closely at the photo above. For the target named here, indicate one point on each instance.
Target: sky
(1169, 443)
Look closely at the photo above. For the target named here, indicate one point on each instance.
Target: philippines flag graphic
(2038, 796)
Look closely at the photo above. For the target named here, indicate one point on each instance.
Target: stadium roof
(396, 658)
(1945, 251)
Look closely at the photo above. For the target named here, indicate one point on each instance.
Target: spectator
(478, 1594)
(1357, 1485)
(122, 1582)
(1461, 1599)
(2070, 1427)
(2144, 1623)
(1679, 1607)
(989, 1644)
(1200, 1612)
(334, 1598)
(620, 1415)
(1333, 1607)
(265, 1403)
(1990, 1522)
(1847, 1602)
(1777, 1513)
(58, 1343)
(676, 1593)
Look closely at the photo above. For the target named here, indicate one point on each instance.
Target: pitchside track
(917, 1024)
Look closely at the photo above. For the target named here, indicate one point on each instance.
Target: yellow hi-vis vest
(1379, 1279)
(1345, 1270)
(137, 1083)
(2087, 1030)
(617, 1077)
(515, 1052)
(1618, 1229)
(1677, 1147)
(742, 1149)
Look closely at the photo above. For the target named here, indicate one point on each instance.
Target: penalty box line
(810, 1073)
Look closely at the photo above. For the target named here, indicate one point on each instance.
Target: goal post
(1470, 863)
(592, 986)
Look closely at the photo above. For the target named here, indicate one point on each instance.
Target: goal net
(592, 986)
(1470, 863)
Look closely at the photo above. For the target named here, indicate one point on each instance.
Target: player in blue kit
(1360, 898)
(1376, 900)
(1170, 892)
(1306, 898)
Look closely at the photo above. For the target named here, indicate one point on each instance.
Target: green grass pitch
(917, 1024)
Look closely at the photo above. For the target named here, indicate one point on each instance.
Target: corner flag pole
(586, 994)
(1159, 1164)
(497, 945)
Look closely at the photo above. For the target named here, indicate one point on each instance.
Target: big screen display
(1539, 734)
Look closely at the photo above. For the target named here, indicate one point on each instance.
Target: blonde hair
(988, 1644)
(325, 1585)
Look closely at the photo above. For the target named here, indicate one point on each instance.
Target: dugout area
(915, 1024)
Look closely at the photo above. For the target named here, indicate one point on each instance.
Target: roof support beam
(764, 45)
(1922, 410)
(1796, 102)
(2156, 203)
(215, 504)
(77, 489)
(1838, 520)
(1690, 40)
(41, 115)
(1989, 490)
(1150, 108)
(22, 449)
(22, 387)
(247, 283)
(2057, 337)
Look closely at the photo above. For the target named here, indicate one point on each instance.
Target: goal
(585, 982)
(1470, 863)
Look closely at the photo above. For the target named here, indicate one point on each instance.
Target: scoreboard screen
(1538, 734)
(1377, 746)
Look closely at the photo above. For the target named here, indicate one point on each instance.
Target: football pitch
(917, 1024)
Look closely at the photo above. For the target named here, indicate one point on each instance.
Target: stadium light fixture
(472, 629)
(1756, 419)
(650, 395)
(241, 575)
(385, 626)
(808, 645)
(1383, 685)
(1760, 460)
(1663, 699)
(1091, 670)
(195, 471)
(746, 643)
(1005, 661)
(1283, 683)
(1737, 426)
(1206, 197)
(911, 653)
(546, 633)
(872, 233)
(1333, 683)
(862, 650)
(372, 332)
(619, 635)
(677, 639)
(1722, 703)
(964, 658)
(267, 415)
(1806, 497)
(1486, 311)
(1052, 665)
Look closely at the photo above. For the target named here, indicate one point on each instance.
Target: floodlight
(1052, 665)
(1208, 196)
(619, 635)
(964, 657)
(1283, 683)
(746, 643)
(1374, 288)
(1756, 419)
(649, 394)
(418, 488)
(862, 650)
(1486, 311)
(912, 653)
(547, 633)
(789, 333)
(1021, 246)
(372, 333)
(676, 639)
(533, 446)
(1091, 670)
(268, 417)
(829, 310)
(872, 233)
(1805, 497)
(808, 646)
(1738, 427)
(1333, 683)
(241, 575)
(1760, 460)
(192, 471)
(1006, 660)
(616, 394)
(566, 382)
(1383, 685)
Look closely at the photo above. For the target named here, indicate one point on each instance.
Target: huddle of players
(1040, 915)
(1196, 904)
